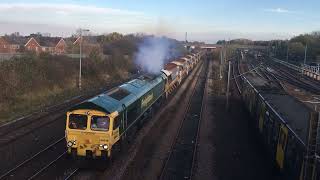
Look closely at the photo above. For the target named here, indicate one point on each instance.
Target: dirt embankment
(31, 82)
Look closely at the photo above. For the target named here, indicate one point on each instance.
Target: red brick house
(61, 47)
(4, 46)
(7, 45)
(33, 45)
(52, 45)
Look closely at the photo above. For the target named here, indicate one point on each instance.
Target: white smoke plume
(152, 54)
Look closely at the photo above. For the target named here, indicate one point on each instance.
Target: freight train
(289, 130)
(98, 127)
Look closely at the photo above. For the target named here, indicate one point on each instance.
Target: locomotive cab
(91, 133)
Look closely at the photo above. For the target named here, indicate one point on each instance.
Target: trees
(296, 47)
(312, 40)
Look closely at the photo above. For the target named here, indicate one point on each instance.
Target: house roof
(30, 40)
(48, 41)
(61, 40)
(70, 40)
(21, 40)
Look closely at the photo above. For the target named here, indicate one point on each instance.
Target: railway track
(33, 130)
(46, 159)
(273, 73)
(181, 159)
(13, 131)
(72, 173)
(303, 77)
(236, 74)
(267, 74)
(34, 165)
(295, 80)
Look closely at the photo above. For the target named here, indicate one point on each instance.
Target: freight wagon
(287, 128)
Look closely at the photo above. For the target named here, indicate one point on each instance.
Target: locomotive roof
(124, 94)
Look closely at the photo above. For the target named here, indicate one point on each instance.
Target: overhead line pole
(220, 68)
(305, 54)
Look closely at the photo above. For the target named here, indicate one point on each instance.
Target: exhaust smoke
(152, 54)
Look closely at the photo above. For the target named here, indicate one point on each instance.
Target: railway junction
(268, 130)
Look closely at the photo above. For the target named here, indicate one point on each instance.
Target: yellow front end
(90, 133)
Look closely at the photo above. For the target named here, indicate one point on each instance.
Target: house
(61, 47)
(11, 44)
(52, 45)
(33, 45)
(4, 45)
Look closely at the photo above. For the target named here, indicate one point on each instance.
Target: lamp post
(80, 59)
(228, 84)
(287, 51)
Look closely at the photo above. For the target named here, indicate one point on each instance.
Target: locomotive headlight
(104, 146)
(70, 144)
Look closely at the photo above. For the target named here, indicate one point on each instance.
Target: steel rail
(164, 169)
(47, 166)
(199, 126)
(71, 174)
(31, 158)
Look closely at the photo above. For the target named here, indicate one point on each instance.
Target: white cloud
(70, 8)
(73, 16)
(278, 10)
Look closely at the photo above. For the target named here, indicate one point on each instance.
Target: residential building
(33, 45)
(11, 44)
(52, 45)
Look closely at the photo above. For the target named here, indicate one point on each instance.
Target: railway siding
(227, 148)
(287, 127)
(155, 145)
(179, 164)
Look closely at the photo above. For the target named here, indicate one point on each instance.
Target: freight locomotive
(289, 130)
(97, 127)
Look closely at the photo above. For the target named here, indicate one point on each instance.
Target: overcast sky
(204, 20)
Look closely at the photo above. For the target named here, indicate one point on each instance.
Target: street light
(288, 51)
(228, 84)
(305, 54)
(80, 60)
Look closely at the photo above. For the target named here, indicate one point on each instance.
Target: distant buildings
(38, 43)
(11, 44)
